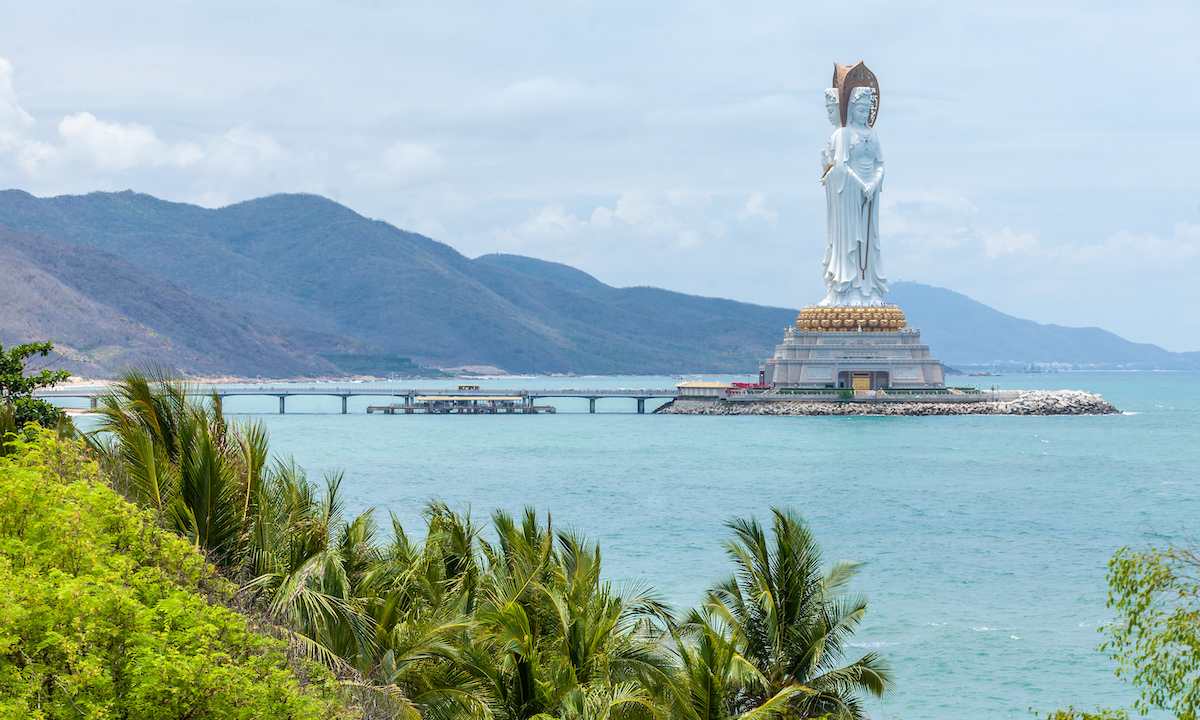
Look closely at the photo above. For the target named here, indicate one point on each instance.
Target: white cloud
(549, 96)
(111, 147)
(90, 148)
(412, 161)
(1007, 242)
(14, 121)
(756, 206)
(645, 213)
(551, 221)
(1109, 282)
(649, 129)
(241, 152)
(602, 217)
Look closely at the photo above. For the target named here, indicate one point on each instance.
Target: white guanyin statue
(853, 174)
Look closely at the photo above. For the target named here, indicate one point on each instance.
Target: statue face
(859, 112)
(833, 111)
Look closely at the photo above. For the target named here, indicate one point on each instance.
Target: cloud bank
(673, 145)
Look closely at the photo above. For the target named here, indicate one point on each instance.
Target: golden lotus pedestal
(854, 348)
(886, 318)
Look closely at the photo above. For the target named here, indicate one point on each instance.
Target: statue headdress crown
(845, 79)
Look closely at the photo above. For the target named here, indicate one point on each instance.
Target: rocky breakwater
(1036, 402)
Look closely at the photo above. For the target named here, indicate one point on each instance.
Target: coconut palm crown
(790, 619)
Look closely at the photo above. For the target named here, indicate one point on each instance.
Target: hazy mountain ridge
(104, 313)
(310, 276)
(305, 261)
(963, 331)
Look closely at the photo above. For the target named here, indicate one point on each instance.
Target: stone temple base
(857, 359)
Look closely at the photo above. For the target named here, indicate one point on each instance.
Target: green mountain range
(298, 285)
(103, 313)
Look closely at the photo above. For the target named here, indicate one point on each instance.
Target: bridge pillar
(344, 398)
(641, 405)
(281, 397)
(408, 400)
(92, 400)
(592, 405)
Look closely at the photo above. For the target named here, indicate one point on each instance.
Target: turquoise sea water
(985, 539)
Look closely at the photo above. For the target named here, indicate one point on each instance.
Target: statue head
(846, 80)
(832, 108)
(860, 106)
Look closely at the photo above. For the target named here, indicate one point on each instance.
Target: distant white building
(700, 389)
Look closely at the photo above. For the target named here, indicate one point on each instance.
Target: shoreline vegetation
(507, 620)
(164, 565)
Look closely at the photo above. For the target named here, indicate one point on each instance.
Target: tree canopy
(512, 619)
(1155, 637)
(17, 385)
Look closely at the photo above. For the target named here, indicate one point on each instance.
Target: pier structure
(460, 404)
(407, 397)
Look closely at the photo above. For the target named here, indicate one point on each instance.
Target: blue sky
(1041, 157)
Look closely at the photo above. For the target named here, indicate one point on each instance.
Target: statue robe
(853, 269)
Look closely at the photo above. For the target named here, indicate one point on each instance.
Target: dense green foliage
(791, 618)
(1156, 635)
(1072, 714)
(17, 404)
(102, 614)
(513, 620)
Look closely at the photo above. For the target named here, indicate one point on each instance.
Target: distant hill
(964, 332)
(305, 262)
(104, 313)
(329, 284)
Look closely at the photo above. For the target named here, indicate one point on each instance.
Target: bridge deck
(526, 396)
(352, 391)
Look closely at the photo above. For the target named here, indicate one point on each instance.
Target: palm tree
(551, 638)
(295, 564)
(182, 459)
(790, 619)
(713, 676)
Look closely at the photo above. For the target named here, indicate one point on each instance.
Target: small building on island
(694, 389)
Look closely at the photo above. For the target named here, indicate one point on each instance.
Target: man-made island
(1036, 402)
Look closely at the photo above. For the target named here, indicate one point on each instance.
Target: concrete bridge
(345, 392)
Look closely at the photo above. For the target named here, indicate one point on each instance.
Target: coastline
(1034, 402)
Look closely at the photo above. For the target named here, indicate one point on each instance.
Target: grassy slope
(104, 312)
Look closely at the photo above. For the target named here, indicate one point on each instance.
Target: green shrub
(102, 614)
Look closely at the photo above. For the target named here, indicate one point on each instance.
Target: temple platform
(856, 359)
